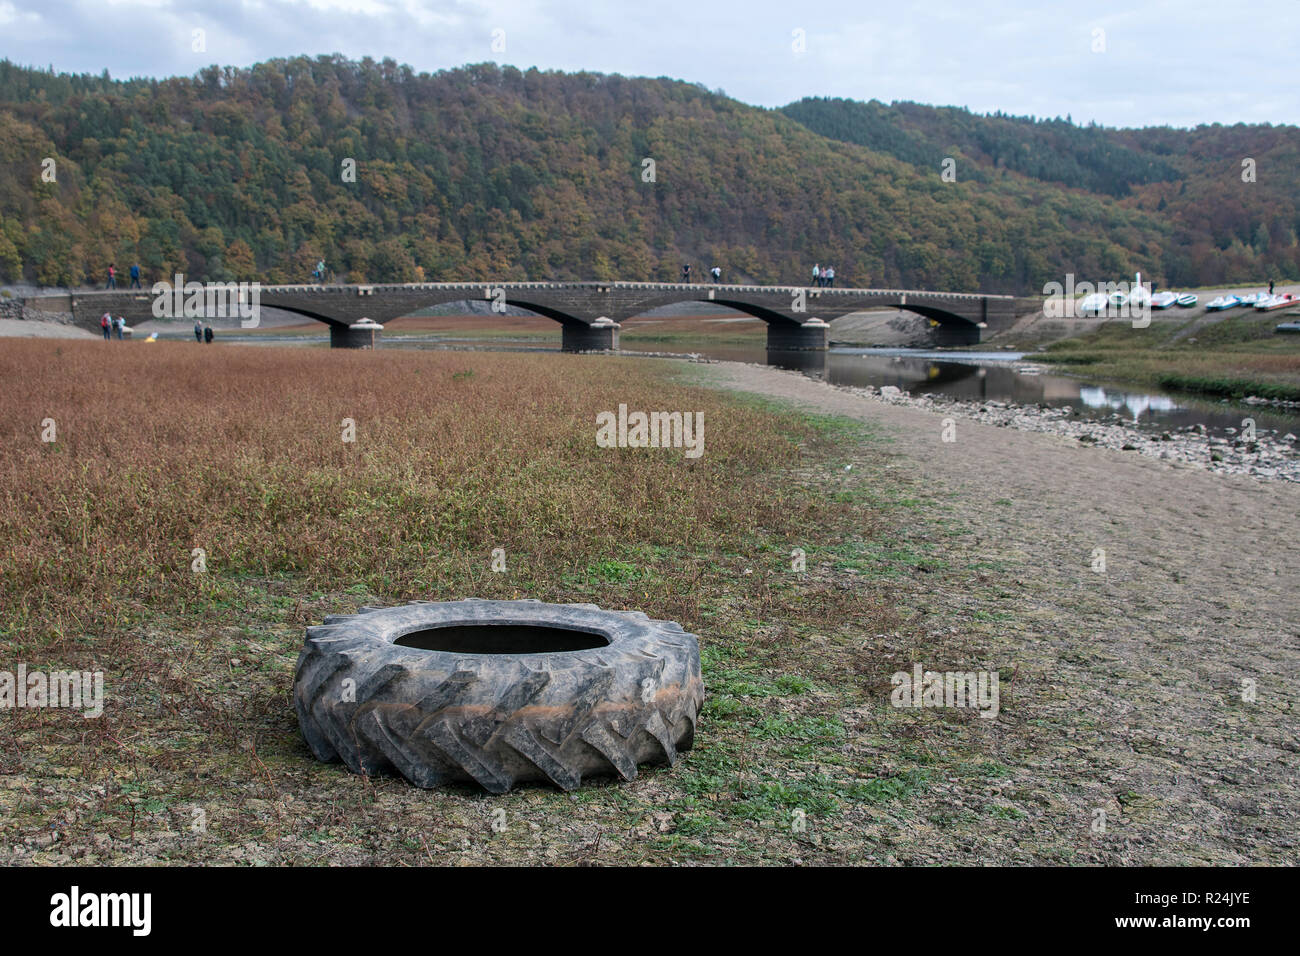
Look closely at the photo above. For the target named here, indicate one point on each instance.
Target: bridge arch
(786, 330)
(564, 318)
(306, 313)
(577, 333)
(953, 329)
(542, 310)
(769, 315)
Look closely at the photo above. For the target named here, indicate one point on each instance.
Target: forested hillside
(486, 172)
(1225, 229)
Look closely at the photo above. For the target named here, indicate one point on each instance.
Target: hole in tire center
(502, 639)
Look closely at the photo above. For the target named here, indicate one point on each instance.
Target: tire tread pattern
(497, 720)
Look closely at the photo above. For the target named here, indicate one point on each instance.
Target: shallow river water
(1009, 377)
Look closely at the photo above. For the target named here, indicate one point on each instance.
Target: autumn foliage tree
(487, 172)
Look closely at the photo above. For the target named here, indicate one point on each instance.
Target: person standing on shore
(105, 324)
(207, 333)
(119, 328)
(198, 331)
(1270, 286)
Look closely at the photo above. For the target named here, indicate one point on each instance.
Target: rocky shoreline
(1267, 456)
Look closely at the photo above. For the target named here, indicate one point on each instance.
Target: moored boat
(1280, 301)
(1094, 304)
(1187, 300)
(1223, 302)
(1163, 300)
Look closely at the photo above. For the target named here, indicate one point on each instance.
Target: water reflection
(1127, 404)
(812, 364)
(992, 377)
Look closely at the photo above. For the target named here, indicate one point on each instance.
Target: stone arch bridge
(590, 313)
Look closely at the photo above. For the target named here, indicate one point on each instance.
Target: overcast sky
(1135, 63)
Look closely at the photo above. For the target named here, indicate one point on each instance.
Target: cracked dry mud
(1128, 690)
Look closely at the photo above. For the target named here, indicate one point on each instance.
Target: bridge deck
(637, 286)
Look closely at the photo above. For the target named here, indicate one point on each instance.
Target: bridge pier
(345, 337)
(812, 335)
(599, 336)
(957, 333)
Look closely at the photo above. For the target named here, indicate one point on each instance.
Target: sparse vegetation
(240, 453)
(799, 756)
(1231, 358)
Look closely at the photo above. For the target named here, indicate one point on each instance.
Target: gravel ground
(23, 328)
(1131, 675)
(1266, 455)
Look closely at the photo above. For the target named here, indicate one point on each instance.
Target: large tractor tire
(498, 693)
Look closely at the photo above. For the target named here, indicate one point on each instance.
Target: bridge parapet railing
(482, 287)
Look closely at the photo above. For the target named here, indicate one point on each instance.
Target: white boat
(1102, 303)
(1250, 300)
(1187, 300)
(1095, 304)
(1280, 301)
(1163, 300)
(1223, 302)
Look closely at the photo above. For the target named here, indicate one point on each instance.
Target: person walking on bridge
(686, 273)
(135, 276)
(817, 274)
(717, 275)
(112, 277)
(828, 276)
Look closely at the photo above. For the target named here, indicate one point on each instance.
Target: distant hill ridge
(486, 172)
